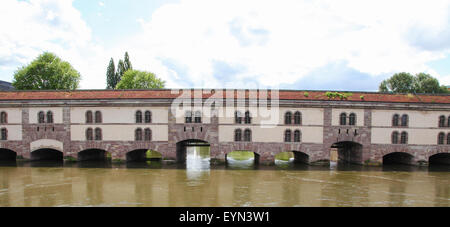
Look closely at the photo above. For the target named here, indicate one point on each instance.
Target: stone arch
(404, 158)
(182, 145)
(47, 154)
(439, 159)
(92, 155)
(349, 152)
(7, 155)
(46, 144)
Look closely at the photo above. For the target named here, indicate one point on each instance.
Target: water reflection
(197, 184)
(248, 164)
(198, 162)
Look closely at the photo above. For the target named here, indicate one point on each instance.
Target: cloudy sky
(289, 44)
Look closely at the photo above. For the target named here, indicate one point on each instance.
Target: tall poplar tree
(120, 70)
(111, 76)
(127, 63)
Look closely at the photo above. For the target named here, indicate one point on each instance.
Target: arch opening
(397, 158)
(349, 152)
(7, 155)
(143, 155)
(47, 154)
(440, 159)
(192, 146)
(242, 159)
(301, 158)
(92, 155)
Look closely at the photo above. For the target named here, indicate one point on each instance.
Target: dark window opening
(343, 119)
(148, 134)
(98, 117)
(138, 134)
(288, 118)
(238, 135)
(247, 135)
(98, 134)
(148, 117)
(139, 117)
(352, 119)
(4, 134)
(41, 117)
(297, 136)
(89, 117)
(89, 134)
(395, 138)
(288, 136)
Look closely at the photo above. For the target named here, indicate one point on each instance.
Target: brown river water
(240, 184)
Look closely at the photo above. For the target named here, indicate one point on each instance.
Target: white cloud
(282, 41)
(209, 43)
(31, 27)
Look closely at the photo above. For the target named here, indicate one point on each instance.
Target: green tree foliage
(47, 72)
(407, 83)
(111, 76)
(120, 70)
(134, 79)
(126, 62)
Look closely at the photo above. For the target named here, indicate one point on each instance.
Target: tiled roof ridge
(311, 95)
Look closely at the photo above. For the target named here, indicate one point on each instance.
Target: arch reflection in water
(241, 160)
(198, 162)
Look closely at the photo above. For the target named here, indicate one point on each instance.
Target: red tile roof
(167, 94)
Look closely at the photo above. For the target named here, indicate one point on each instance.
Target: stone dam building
(362, 128)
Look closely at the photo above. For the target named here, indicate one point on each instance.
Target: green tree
(134, 79)
(407, 83)
(111, 76)
(47, 72)
(424, 83)
(127, 63)
(120, 70)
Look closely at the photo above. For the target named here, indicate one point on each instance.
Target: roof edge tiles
(306, 95)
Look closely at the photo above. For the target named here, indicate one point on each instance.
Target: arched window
(4, 134)
(248, 118)
(298, 118)
(148, 117)
(395, 120)
(89, 134)
(98, 134)
(138, 134)
(198, 117)
(247, 135)
(238, 117)
(138, 117)
(238, 135)
(297, 136)
(288, 118)
(147, 134)
(404, 138)
(4, 118)
(288, 136)
(188, 117)
(352, 119)
(98, 117)
(49, 117)
(41, 117)
(405, 120)
(442, 121)
(343, 119)
(448, 139)
(395, 138)
(441, 138)
(89, 117)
